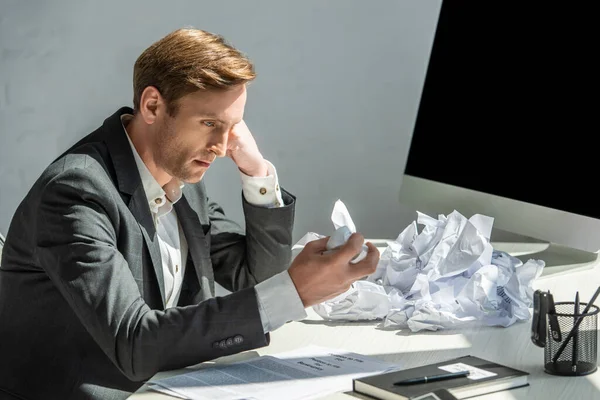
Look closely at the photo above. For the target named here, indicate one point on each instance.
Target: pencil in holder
(572, 352)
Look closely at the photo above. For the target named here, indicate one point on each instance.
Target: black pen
(432, 378)
(575, 335)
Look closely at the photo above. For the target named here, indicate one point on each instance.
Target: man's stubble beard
(169, 157)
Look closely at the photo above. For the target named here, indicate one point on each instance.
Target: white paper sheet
(344, 228)
(166, 391)
(474, 372)
(301, 374)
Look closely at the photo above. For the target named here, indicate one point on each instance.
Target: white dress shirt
(277, 296)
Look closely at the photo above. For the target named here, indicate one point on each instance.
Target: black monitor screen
(510, 103)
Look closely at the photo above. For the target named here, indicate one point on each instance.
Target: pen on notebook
(432, 378)
(572, 332)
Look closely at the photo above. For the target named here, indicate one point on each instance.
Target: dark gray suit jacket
(81, 285)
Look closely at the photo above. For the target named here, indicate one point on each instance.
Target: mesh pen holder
(579, 356)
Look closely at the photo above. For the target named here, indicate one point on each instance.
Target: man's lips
(205, 164)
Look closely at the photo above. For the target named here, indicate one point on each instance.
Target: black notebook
(484, 377)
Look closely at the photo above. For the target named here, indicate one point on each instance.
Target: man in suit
(108, 271)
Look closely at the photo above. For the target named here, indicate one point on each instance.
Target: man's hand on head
(242, 149)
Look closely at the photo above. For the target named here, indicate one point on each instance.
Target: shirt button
(158, 200)
(277, 187)
(263, 190)
(277, 203)
(176, 268)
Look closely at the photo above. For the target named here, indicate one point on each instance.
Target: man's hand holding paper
(319, 277)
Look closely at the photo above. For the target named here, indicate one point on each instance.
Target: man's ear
(150, 103)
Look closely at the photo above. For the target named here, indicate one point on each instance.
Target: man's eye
(210, 124)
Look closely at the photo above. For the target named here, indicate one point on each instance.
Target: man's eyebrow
(207, 114)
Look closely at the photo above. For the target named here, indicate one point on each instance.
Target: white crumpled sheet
(445, 276)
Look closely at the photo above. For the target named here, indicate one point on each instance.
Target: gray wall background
(333, 106)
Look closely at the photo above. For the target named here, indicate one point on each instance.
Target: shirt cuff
(262, 190)
(278, 302)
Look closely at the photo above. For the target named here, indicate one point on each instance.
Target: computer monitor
(507, 121)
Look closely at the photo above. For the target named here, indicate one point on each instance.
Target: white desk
(511, 346)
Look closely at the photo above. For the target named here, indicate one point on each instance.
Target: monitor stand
(559, 259)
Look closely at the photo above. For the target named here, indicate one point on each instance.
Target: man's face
(186, 144)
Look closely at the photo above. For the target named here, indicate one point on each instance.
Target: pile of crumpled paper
(445, 276)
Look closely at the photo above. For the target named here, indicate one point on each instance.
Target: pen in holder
(572, 352)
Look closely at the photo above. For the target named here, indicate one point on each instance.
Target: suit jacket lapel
(130, 183)
(138, 205)
(198, 244)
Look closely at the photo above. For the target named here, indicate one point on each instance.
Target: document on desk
(301, 374)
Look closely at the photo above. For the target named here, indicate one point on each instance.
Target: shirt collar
(155, 194)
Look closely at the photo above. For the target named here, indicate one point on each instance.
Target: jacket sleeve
(243, 259)
(77, 222)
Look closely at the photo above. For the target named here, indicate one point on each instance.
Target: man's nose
(219, 146)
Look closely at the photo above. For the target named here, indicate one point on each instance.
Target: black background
(510, 103)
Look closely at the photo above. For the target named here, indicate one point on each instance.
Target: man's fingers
(317, 246)
(352, 247)
(372, 248)
(368, 265)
